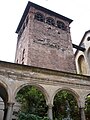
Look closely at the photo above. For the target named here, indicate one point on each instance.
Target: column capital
(50, 105)
(82, 107)
(10, 104)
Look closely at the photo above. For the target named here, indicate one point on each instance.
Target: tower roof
(30, 4)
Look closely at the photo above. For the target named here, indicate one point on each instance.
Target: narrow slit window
(23, 55)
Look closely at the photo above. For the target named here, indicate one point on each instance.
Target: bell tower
(44, 40)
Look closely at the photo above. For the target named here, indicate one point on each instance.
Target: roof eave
(40, 8)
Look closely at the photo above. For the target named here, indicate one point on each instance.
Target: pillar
(50, 114)
(82, 113)
(9, 111)
(5, 113)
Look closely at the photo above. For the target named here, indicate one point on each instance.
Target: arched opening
(39, 16)
(32, 103)
(65, 106)
(61, 25)
(87, 107)
(3, 102)
(1, 108)
(50, 21)
(82, 65)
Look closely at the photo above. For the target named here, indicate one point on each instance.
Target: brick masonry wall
(50, 47)
(22, 44)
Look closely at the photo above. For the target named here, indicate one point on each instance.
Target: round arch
(70, 91)
(4, 97)
(37, 86)
(66, 104)
(4, 92)
(39, 16)
(85, 96)
(50, 21)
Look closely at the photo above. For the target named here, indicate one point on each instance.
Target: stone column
(9, 111)
(82, 113)
(50, 114)
(5, 113)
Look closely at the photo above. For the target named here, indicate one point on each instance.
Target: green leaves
(60, 106)
(87, 107)
(23, 116)
(33, 104)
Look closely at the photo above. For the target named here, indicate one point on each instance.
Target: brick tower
(44, 40)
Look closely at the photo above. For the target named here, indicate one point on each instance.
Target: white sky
(12, 10)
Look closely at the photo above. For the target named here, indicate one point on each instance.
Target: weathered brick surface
(46, 46)
(22, 44)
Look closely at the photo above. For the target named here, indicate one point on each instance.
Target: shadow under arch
(4, 92)
(4, 96)
(39, 87)
(76, 96)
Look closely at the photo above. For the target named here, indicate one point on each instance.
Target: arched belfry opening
(3, 102)
(32, 103)
(65, 106)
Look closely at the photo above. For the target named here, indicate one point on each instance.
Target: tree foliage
(87, 107)
(60, 106)
(28, 116)
(33, 104)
